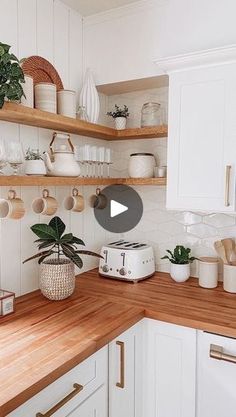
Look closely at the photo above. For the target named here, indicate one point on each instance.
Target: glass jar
(82, 114)
(151, 114)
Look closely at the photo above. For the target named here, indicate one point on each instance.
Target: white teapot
(61, 161)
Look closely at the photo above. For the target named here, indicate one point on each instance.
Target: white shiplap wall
(54, 31)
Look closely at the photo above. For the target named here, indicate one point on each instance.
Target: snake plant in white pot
(180, 260)
(57, 273)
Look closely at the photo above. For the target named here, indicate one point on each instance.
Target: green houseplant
(180, 260)
(120, 116)
(11, 76)
(34, 163)
(57, 256)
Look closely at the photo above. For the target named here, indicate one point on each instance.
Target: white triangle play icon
(117, 208)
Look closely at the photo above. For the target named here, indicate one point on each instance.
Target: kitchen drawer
(91, 374)
(216, 394)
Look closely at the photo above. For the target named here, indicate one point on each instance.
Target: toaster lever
(123, 256)
(105, 253)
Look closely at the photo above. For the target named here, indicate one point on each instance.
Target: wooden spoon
(229, 248)
(220, 249)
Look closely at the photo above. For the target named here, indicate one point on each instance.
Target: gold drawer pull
(227, 183)
(217, 352)
(121, 384)
(49, 413)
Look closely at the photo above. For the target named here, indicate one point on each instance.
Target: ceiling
(89, 7)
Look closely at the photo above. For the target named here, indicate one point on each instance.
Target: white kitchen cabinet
(170, 363)
(126, 373)
(216, 393)
(92, 400)
(202, 139)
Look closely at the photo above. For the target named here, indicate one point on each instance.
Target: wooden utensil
(229, 248)
(220, 249)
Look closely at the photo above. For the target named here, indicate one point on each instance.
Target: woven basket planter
(57, 279)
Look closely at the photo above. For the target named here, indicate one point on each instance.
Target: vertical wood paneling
(61, 41)
(45, 29)
(52, 30)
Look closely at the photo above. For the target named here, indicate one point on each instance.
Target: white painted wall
(52, 30)
(121, 44)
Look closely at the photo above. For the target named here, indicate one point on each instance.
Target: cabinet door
(202, 139)
(216, 378)
(125, 373)
(170, 370)
(94, 406)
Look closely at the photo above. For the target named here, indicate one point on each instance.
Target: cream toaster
(129, 261)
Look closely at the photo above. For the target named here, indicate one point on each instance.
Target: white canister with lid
(141, 165)
(46, 97)
(208, 272)
(66, 103)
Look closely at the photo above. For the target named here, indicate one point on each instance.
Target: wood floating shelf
(24, 181)
(17, 113)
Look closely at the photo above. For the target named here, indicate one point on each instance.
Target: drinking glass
(3, 157)
(108, 161)
(15, 156)
(101, 160)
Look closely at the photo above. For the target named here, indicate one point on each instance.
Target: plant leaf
(67, 238)
(77, 241)
(46, 244)
(44, 253)
(58, 226)
(72, 255)
(87, 252)
(44, 231)
(44, 257)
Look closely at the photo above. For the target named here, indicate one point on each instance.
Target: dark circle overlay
(125, 221)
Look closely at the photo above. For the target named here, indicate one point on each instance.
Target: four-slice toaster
(130, 261)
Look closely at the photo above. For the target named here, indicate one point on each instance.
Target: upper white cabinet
(216, 368)
(170, 370)
(202, 138)
(126, 373)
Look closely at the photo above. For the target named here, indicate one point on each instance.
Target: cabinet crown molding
(119, 12)
(206, 57)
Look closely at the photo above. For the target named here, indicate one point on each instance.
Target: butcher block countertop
(45, 339)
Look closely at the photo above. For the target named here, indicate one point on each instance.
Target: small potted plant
(180, 263)
(58, 255)
(34, 163)
(11, 76)
(120, 116)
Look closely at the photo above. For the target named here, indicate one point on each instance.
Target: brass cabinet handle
(227, 183)
(217, 352)
(49, 413)
(121, 384)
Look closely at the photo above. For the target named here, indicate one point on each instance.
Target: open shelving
(17, 113)
(17, 181)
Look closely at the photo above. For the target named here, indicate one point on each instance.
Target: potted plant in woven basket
(58, 255)
(180, 263)
(120, 116)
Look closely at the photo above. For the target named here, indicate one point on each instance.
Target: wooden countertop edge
(90, 349)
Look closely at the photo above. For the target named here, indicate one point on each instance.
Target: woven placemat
(41, 71)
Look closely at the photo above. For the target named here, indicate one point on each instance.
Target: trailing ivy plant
(11, 76)
(179, 256)
(53, 241)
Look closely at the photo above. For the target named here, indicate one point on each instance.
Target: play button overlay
(123, 211)
(117, 208)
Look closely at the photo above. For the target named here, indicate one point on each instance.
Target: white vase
(35, 167)
(120, 123)
(89, 98)
(180, 273)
